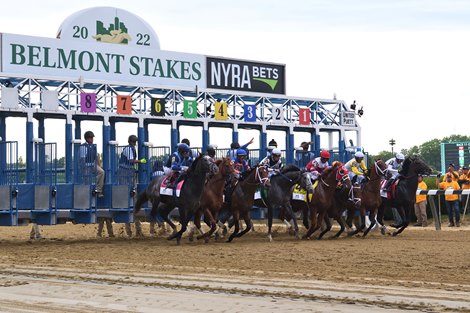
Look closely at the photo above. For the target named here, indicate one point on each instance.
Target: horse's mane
(193, 165)
(406, 166)
(217, 162)
(290, 168)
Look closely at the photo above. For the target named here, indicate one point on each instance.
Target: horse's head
(416, 165)
(262, 175)
(225, 166)
(203, 164)
(380, 167)
(305, 181)
(342, 175)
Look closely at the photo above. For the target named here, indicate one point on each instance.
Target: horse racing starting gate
(112, 71)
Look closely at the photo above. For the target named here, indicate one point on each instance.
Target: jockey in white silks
(393, 167)
(273, 162)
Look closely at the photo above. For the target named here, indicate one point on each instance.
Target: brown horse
(243, 197)
(370, 198)
(213, 198)
(344, 199)
(322, 197)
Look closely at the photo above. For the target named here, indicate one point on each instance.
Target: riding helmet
(183, 147)
(241, 152)
(325, 154)
(400, 156)
(276, 152)
(359, 154)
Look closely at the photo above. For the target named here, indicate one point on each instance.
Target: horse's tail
(141, 199)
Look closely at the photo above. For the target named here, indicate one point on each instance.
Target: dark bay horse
(404, 197)
(322, 197)
(370, 197)
(280, 193)
(243, 197)
(212, 198)
(187, 202)
(344, 199)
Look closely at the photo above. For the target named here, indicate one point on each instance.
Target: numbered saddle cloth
(390, 193)
(261, 193)
(166, 187)
(301, 194)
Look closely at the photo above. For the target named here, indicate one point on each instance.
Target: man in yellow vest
(420, 205)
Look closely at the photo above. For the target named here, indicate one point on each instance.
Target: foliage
(429, 151)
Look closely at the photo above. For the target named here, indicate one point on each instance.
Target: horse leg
(247, 219)
(341, 223)
(236, 223)
(305, 217)
(404, 219)
(290, 211)
(270, 223)
(372, 214)
(213, 225)
(380, 219)
(327, 228)
(363, 223)
(164, 211)
(197, 225)
(313, 223)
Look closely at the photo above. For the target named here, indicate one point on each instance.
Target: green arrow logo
(270, 82)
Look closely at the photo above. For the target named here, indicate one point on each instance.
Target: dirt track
(420, 270)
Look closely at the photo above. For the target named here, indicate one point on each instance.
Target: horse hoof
(270, 238)
(191, 239)
(297, 236)
(394, 234)
(206, 240)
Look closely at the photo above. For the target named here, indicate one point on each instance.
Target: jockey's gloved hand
(143, 161)
(184, 168)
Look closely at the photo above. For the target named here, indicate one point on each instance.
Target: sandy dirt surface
(420, 270)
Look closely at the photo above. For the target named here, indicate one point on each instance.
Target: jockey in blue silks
(240, 163)
(178, 163)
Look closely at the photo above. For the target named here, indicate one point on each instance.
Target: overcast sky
(406, 62)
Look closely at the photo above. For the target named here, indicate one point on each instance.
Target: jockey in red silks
(316, 166)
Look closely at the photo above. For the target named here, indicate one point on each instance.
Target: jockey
(177, 163)
(316, 166)
(240, 163)
(357, 167)
(210, 152)
(393, 167)
(193, 153)
(234, 146)
(273, 162)
(271, 146)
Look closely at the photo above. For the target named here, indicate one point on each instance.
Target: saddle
(168, 185)
(390, 191)
(300, 194)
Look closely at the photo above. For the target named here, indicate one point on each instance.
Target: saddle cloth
(300, 194)
(389, 194)
(167, 189)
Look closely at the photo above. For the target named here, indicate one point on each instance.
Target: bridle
(261, 180)
(341, 176)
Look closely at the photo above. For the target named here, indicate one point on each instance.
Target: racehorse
(243, 198)
(370, 197)
(344, 199)
(322, 197)
(212, 198)
(187, 202)
(404, 192)
(280, 193)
